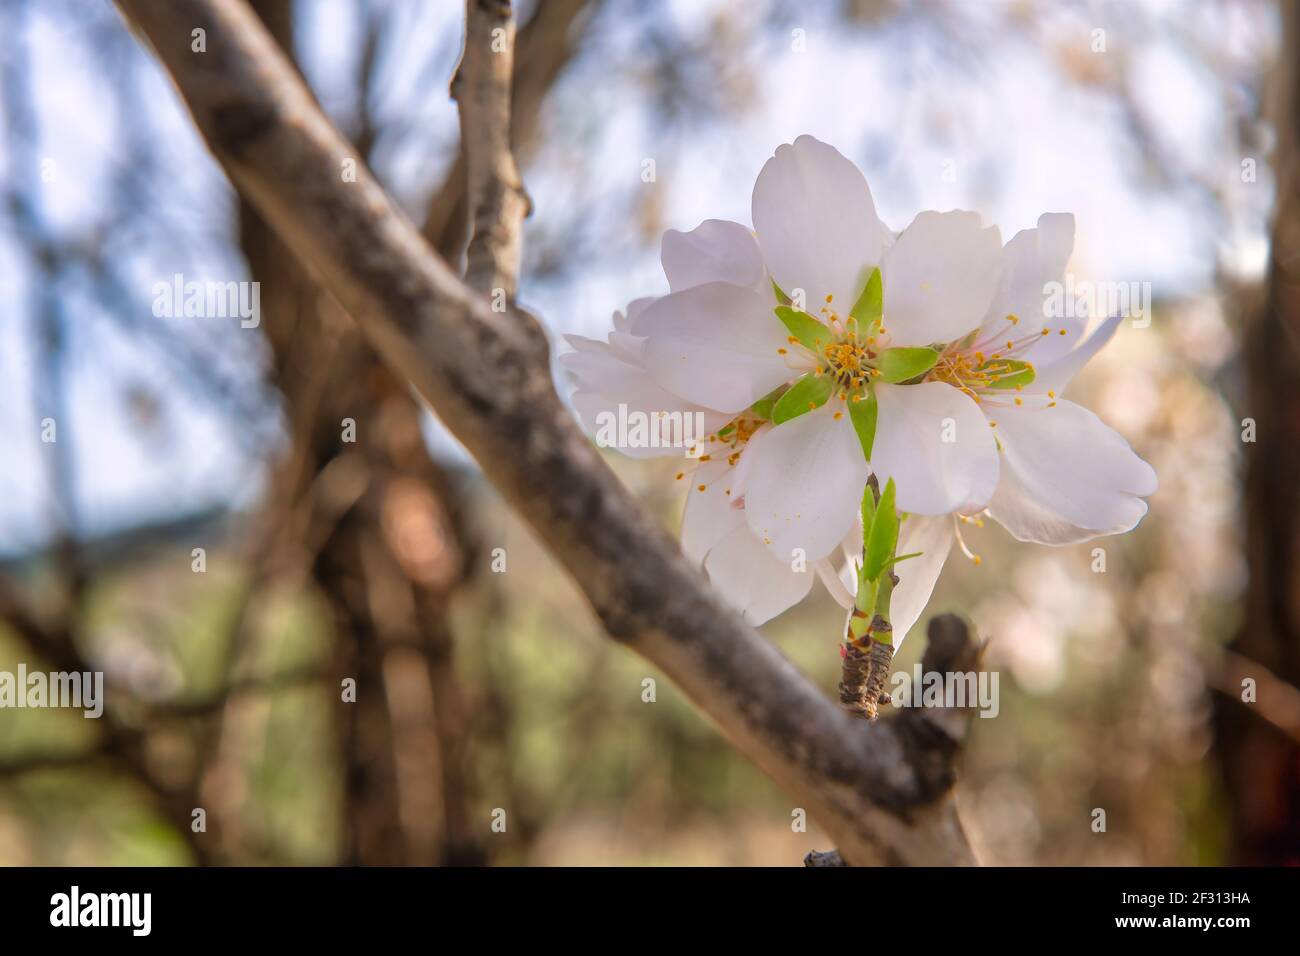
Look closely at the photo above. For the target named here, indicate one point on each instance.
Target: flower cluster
(820, 348)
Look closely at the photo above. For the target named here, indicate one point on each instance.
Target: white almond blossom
(822, 349)
(717, 345)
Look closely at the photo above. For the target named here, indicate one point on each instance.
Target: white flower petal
(1033, 258)
(623, 322)
(805, 483)
(714, 251)
(937, 446)
(834, 579)
(754, 580)
(597, 367)
(584, 344)
(656, 436)
(1067, 476)
(933, 537)
(710, 514)
(627, 346)
(816, 223)
(939, 278)
(1056, 375)
(607, 379)
(715, 344)
(740, 479)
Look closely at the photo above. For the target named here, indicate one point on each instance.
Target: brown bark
(495, 192)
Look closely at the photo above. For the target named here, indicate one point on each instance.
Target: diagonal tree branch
(882, 791)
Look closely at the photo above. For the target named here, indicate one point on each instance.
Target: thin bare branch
(545, 44)
(497, 201)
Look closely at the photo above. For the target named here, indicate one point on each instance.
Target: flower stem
(869, 636)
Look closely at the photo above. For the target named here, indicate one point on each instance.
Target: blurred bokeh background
(1165, 127)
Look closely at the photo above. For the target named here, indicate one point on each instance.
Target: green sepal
(810, 333)
(870, 305)
(780, 295)
(863, 415)
(808, 393)
(881, 539)
(868, 510)
(898, 365)
(763, 407)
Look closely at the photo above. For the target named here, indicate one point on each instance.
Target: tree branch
(545, 44)
(883, 793)
(498, 203)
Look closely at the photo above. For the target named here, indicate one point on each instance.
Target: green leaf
(863, 415)
(1009, 373)
(882, 539)
(808, 393)
(780, 296)
(810, 333)
(870, 305)
(898, 365)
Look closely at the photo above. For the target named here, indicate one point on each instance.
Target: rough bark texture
(883, 789)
